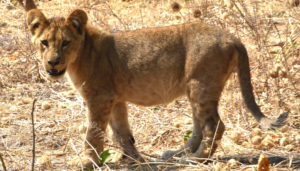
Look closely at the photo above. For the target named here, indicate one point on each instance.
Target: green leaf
(105, 156)
(187, 135)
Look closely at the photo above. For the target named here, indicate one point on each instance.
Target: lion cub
(145, 67)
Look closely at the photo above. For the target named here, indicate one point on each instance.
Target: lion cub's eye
(45, 43)
(65, 43)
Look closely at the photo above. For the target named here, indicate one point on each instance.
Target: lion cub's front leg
(122, 133)
(98, 119)
(103, 110)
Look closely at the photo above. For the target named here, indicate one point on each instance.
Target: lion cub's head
(58, 40)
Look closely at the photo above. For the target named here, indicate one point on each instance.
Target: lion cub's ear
(36, 21)
(77, 19)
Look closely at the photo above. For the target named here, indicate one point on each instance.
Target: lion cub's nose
(54, 62)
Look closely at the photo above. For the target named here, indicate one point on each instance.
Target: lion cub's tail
(247, 92)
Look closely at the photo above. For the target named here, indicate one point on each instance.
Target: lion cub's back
(153, 61)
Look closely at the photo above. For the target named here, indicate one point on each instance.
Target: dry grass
(269, 29)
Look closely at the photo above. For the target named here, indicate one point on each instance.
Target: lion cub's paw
(84, 163)
(169, 154)
(136, 159)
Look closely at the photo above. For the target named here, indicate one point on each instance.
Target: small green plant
(106, 156)
(187, 135)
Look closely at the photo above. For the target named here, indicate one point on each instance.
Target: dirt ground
(270, 30)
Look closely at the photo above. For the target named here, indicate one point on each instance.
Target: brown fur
(145, 67)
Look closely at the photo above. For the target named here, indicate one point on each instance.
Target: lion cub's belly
(153, 91)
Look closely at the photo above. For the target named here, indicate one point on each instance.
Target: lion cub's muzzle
(54, 62)
(53, 71)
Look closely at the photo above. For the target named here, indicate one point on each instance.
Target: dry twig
(33, 135)
(2, 161)
(115, 15)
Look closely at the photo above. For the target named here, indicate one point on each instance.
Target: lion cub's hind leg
(204, 96)
(121, 129)
(208, 128)
(191, 145)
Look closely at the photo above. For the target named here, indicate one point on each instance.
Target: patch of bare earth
(269, 29)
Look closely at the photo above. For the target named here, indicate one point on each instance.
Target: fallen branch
(292, 161)
(33, 135)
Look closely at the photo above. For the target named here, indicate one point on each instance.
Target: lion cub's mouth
(55, 72)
